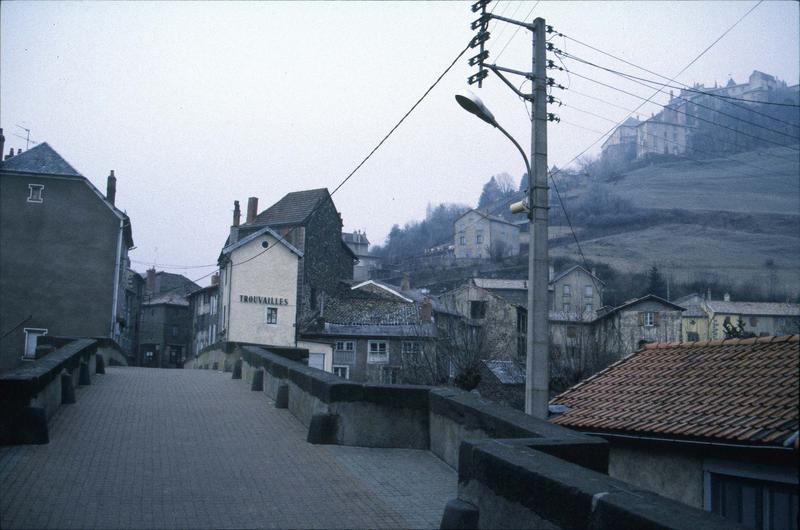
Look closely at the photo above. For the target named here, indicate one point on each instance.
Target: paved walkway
(148, 448)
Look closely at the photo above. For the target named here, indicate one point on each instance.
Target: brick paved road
(146, 448)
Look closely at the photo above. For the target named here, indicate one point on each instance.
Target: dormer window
(35, 192)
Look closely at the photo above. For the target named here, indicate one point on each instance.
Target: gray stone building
(357, 242)
(204, 308)
(309, 222)
(624, 329)
(484, 236)
(378, 334)
(134, 296)
(165, 328)
(64, 250)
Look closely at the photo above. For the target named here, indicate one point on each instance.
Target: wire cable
(516, 31)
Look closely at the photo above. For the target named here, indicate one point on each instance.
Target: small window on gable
(477, 309)
(35, 192)
(567, 291)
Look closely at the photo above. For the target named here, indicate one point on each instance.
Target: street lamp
(473, 104)
(537, 363)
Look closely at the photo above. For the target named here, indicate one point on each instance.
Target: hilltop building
(671, 131)
(64, 254)
(484, 236)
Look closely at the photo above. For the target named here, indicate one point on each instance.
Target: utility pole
(538, 333)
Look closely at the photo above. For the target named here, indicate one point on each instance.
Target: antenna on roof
(27, 137)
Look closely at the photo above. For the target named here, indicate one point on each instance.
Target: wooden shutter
(641, 318)
(656, 318)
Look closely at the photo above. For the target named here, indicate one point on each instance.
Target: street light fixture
(536, 384)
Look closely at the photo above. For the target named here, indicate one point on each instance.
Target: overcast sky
(195, 105)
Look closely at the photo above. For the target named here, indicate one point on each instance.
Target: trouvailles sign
(268, 300)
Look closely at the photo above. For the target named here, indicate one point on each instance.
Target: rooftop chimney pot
(237, 213)
(111, 187)
(252, 209)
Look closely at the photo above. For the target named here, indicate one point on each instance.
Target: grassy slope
(730, 229)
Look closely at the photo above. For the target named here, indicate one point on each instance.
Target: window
(344, 352)
(478, 237)
(588, 291)
(174, 331)
(588, 308)
(412, 349)
(31, 339)
(567, 291)
(692, 336)
(344, 345)
(649, 319)
(35, 192)
(272, 315)
(753, 321)
(390, 375)
(477, 309)
(753, 503)
(462, 239)
(377, 351)
(342, 371)
(567, 308)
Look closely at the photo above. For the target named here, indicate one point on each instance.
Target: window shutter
(641, 318)
(656, 318)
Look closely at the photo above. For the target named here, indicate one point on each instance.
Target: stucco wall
(271, 274)
(577, 281)
(471, 223)
(57, 262)
(670, 474)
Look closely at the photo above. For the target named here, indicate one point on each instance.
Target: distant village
(696, 394)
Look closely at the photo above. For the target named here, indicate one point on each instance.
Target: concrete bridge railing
(32, 393)
(514, 471)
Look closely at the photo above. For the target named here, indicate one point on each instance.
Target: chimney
(19, 150)
(111, 187)
(237, 213)
(708, 293)
(2, 142)
(252, 209)
(10, 153)
(727, 297)
(405, 285)
(150, 284)
(426, 310)
(215, 279)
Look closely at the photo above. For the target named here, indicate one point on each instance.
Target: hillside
(718, 219)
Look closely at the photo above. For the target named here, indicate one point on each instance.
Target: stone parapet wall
(515, 471)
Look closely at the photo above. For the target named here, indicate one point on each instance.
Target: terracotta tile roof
(737, 391)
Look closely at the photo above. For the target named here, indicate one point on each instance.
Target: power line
(649, 100)
(516, 31)
(347, 178)
(643, 82)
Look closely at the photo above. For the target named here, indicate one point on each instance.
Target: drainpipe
(116, 278)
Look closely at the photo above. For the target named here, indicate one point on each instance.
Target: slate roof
(564, 273)
(507, 372)
(638, 300)
(498, 283)
(293, 209)
(366, 311)
(741, 391)
(41, 159)
(170, 298)
(754, 308)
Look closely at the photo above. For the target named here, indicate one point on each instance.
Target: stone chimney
(252, 209)
(726, 297)
(237, 213)
(19, 151)
(150, 284)
(10, 153)
(405, 285)
(2, 141)
(215, 279)
(426, 310)
(111, 187)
